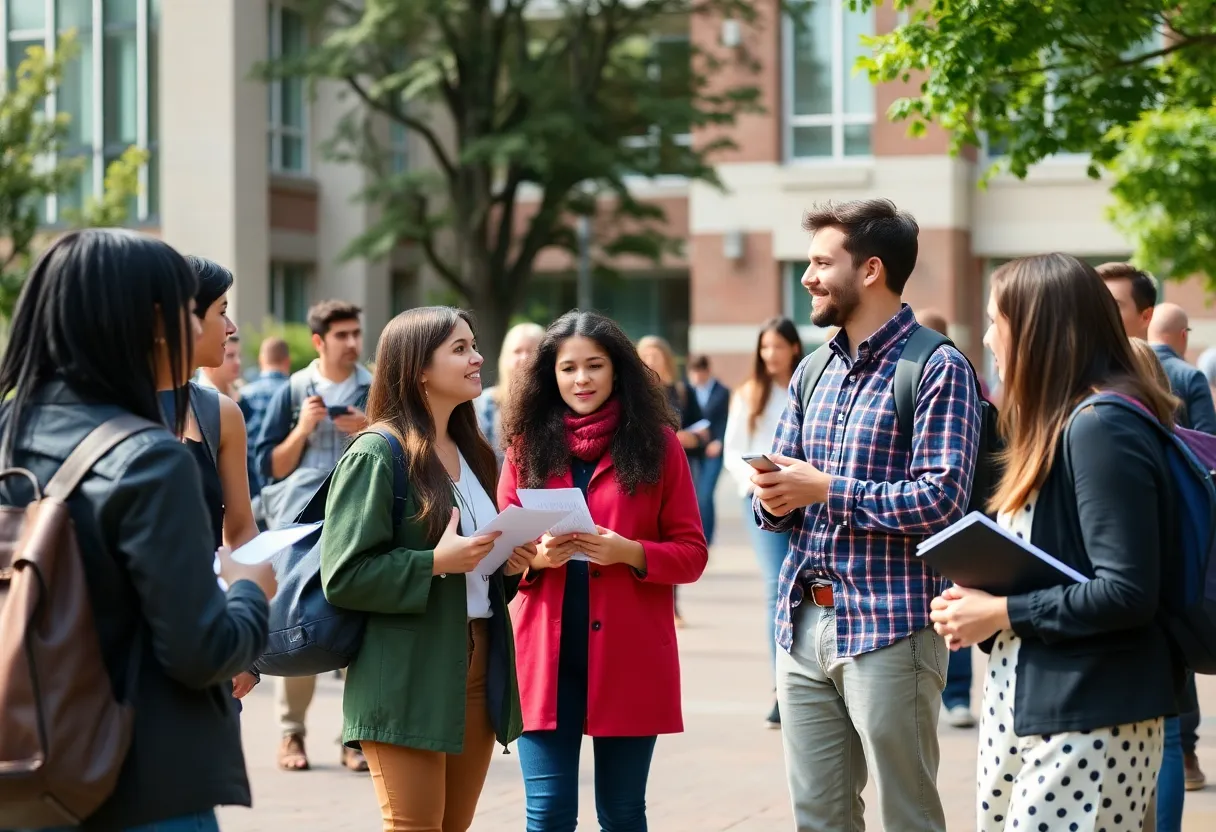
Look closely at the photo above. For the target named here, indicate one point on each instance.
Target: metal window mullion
(837, 80)
(787, 85)
(141, 102)
(98, 150)
(276, 89)
(52, 102)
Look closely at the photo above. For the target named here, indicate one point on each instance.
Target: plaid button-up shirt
(883, 499)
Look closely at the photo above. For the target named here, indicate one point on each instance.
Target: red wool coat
(633, 684)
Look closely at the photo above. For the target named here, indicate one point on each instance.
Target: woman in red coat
(594, 627)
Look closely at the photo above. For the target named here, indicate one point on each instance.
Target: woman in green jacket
(434, 683)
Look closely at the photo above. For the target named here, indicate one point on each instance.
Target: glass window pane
(74, 14)
(17, 50)
(812, 141)
(294, 36)
(119, 12)
(857, 140)
(673, 61)
(812, 55)
(291, 107)
(119, 85)
(293, 153)
(74, 196)
(76, 94)
(26, 14)
(858, 91)
(800, 299)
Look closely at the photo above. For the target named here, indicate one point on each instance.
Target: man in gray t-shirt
(307, 426)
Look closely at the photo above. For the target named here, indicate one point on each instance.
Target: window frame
(837, 119)
(280, 272)
(277, 131)
(146, 14)
(652, 139)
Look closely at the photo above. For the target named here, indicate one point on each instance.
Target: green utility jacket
(407, 684)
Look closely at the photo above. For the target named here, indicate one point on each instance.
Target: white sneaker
(960, 717)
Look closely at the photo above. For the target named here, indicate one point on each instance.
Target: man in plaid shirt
(861, 671)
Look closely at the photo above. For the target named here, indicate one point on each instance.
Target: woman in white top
(755, 410)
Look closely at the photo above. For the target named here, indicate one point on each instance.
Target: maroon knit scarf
(589, 436)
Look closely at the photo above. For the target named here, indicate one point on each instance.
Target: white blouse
(476, 509)
(740, 441)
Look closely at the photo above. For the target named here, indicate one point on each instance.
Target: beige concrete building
(236, 174)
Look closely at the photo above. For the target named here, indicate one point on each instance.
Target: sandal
(353, 759)
(291, 754)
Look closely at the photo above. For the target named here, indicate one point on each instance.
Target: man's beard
(837, 310)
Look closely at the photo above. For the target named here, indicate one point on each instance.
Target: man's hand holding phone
(795, 484)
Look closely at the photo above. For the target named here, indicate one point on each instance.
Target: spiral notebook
(977, 553)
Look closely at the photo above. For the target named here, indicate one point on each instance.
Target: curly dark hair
(534, 427)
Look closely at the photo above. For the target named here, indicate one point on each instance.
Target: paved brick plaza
(724, 772)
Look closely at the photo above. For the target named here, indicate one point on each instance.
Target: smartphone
(761, 463)
(336, 410)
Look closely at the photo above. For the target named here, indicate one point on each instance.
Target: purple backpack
(1188, 580)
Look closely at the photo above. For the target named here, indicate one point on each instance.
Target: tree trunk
(492, 318)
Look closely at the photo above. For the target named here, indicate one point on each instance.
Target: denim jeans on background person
(1171, 785)
(958, 680)
(197, 822)
(549, 762)
(770, 548)
(706, 481)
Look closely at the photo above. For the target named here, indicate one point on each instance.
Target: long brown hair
(397, 402)
(1065, 341)
(759, 387)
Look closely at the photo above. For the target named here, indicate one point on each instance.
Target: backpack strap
(100, 441)
(921, 344)
(811, 373)
(399, 487)
(299, 383)
(205, 404)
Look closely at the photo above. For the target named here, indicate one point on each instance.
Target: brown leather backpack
(63, 737)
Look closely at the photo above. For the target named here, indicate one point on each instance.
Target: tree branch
(441, 156)
(1122, 63)
(427, 242)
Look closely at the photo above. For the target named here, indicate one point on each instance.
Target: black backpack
(908, 371)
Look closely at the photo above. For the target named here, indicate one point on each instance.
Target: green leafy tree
(32, 167)
(298, 337)
(1131, 83)
(567, 100)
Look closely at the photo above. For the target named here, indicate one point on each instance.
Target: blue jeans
(707, 473)
(771, 549)
(958, 680)
(198, 822)
(1171, 786)
(549, 761)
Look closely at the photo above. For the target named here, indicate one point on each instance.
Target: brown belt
(820, 595)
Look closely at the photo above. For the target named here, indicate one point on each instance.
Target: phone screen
(761, 463)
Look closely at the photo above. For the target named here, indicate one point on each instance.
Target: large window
(288, 135)
(829, 108)
(108, 92)
(289, 290)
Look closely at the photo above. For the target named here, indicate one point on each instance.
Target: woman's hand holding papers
(607, 547)
(521, 559)
(554, 551)
(968, 616)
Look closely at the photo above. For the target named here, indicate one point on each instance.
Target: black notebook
(978, 554)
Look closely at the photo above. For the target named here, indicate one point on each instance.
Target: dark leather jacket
(148, 554)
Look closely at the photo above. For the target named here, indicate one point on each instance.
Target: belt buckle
(821, 594)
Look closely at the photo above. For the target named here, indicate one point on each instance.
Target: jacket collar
(897, 328)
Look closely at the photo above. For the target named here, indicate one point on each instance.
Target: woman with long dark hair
(103, 322)
(1092, 487)
(596, 638)
(433, 685)
(755, 410)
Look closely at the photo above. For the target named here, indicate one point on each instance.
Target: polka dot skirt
(1079, 782)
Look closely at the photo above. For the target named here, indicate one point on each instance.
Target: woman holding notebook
(594, 631)
(1091, 487)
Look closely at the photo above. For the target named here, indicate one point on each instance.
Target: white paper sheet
(518, 526)
(569, 500)
(268, 544)
(699, 425)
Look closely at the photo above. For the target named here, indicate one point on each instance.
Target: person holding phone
(755, 411)
(593, 621)
(307, 426)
